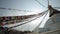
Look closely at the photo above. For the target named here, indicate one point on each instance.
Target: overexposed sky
(30, 5)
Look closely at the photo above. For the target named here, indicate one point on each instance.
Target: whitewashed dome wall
(54, 22)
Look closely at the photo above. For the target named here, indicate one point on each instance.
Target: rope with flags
(7, 29)
(16, 19)
(13, 9)
(35, 15)
(28, 21)
(42, 20)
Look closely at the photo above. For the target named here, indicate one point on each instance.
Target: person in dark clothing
(6, 30)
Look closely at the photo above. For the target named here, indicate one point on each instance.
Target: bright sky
(21, 4)
(30, 5)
